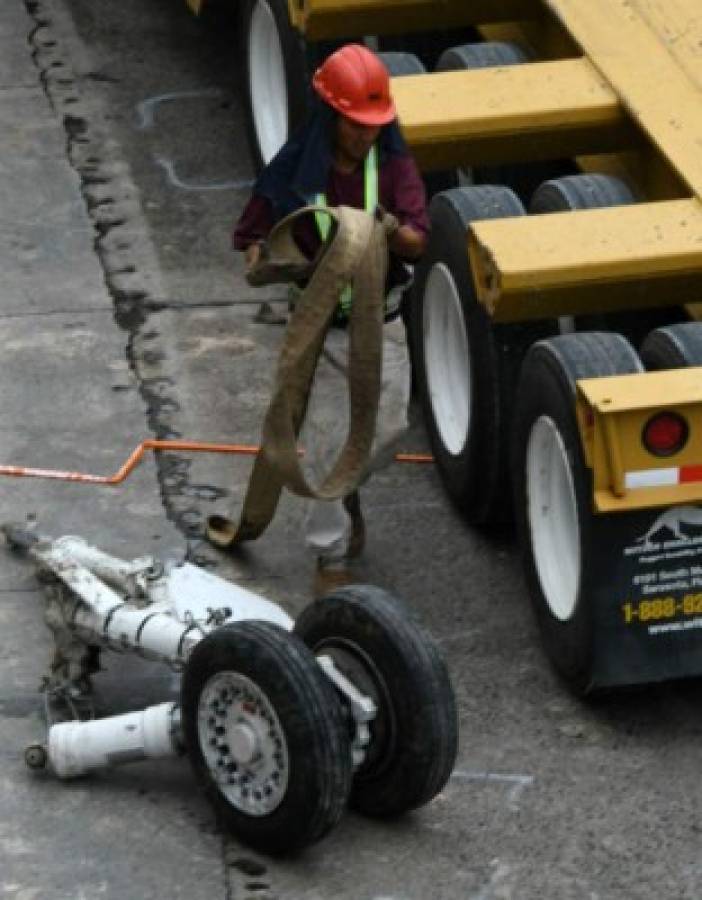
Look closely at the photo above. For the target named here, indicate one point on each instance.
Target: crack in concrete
(111, 202)
(113, 206)
(11, 591)
(159, 305)
(18, 86)
(42, 313)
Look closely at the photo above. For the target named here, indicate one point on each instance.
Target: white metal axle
(158, 612)
(75, 748)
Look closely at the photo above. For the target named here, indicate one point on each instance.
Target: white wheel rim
(243, 743)
(447, 359)
(553, 518)
(267, 90)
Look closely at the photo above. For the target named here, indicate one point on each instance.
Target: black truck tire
(482, 55)
(581, 192)
(398, 63)
(276, 69)
(553, 491)
(466, 366)
(673, 347)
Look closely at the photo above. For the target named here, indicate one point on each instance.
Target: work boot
(329, 577)
(357, 541)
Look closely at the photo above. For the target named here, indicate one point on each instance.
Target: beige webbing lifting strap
(355, 252)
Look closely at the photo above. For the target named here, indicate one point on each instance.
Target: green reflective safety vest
(371, 190)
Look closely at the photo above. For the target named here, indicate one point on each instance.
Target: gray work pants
(328, 525)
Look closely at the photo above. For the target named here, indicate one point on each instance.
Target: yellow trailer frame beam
(599, 260)
(327, 19)
(649, 52)
(541, 110)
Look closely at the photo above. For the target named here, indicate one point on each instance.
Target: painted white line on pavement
(518, 782)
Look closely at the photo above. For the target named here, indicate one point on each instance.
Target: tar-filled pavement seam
(85, 150)
(111, 203)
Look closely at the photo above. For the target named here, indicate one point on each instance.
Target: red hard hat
(356, 83)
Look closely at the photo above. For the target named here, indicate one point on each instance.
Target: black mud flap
(644, 580)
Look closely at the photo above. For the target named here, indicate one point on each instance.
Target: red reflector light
(665, 434)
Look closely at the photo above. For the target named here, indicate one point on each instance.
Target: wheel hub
(360, 669)
(243, 743)
(447, 359)
(268, 86)
(553, 518)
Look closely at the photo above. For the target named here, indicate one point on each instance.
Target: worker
(350, 152)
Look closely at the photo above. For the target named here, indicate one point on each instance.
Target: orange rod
(135, 458)
(414, 458)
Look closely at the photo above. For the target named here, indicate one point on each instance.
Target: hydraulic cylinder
(76, 748)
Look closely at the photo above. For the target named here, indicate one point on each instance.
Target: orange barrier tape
(135, 458)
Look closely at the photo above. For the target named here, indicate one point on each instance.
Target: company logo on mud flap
(665, 591)
(673, 520)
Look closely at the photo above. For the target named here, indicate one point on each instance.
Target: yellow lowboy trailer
(554, 316)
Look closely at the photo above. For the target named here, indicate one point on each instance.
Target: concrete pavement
(552, 799)
(108, 339)
(70, 400)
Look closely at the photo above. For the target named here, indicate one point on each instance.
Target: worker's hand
(252, 254)
(388, 221)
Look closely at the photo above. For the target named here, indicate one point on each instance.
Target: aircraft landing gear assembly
(284, 722)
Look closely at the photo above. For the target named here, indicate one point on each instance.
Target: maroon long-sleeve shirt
(401, 192)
